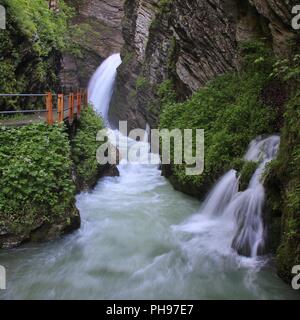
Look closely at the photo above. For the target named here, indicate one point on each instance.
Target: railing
(59, 107)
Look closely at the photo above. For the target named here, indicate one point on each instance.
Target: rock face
(41, 229)
(190, 42)
(100, 36)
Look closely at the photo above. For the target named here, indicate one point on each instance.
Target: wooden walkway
(58, 108)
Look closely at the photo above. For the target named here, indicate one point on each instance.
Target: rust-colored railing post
(71, 108)
(49, 107)
(86, 101)
(72, 103)
(78, 103)
(60, 107)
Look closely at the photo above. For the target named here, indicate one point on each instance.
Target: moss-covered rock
(246, 174)
(84, 149)
(283, 191)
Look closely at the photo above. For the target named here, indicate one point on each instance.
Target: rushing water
(102, 83)
(140, 239)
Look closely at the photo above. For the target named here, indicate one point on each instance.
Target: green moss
(166, 93)
(141, 83)
(84, 148)
(164, 5)
(246, 174)
(128, 57)
(172, 57)
(283, 190)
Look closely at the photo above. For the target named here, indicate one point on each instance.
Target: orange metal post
(72, 102)
(82, 97)
(78, 103)
(49, 107)
(71, 109)
(86, 98)
(60, 107)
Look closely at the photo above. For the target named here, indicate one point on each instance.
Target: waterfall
(101, 85)
(221, 195)
(245, 208)
(248, 205)
(140, 239)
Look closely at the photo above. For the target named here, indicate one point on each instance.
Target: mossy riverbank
(40, 172)
(261, 99)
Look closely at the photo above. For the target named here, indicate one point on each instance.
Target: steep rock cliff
(101, 36)
(190, 42)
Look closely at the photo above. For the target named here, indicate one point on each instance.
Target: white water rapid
(102, 84)
(243, 210)
(140, 239)
(247, 206)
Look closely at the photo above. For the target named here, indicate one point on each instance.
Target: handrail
(23, 94)
(78, 99)
(22, 111)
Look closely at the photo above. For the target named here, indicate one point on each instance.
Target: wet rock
(101, 20)
(40, 230)
(190, 42)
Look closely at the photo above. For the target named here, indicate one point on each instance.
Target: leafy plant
(230, 111)
(84, 148)
(35, 174)
(31, 46)
(246, 174)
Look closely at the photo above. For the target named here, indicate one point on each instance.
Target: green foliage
(30, 47)
(283, 189)
(164, 5)
(128, 57)
(44, 28)
(84, 148)
(141, 83)
(35, 174)
(231, 113)
(256, 56)
(246, 174)
(166, 93)
(287, 69)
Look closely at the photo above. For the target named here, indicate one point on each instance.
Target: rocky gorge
(230, 67)
(100, 36)
(190, 42)
(185, 45)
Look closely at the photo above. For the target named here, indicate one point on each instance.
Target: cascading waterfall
(101, 85)
(245, 208)
(221, 195)
(100, 92)
(139, 238)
